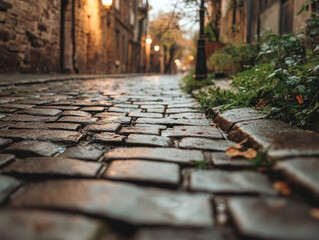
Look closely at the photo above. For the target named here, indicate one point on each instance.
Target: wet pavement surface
(134, 158)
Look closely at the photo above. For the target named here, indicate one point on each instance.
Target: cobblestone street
(134, 158)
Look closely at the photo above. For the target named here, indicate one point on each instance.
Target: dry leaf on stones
(236, 152)
(282, 187)
(315, 213)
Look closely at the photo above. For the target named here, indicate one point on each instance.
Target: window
(117, 4)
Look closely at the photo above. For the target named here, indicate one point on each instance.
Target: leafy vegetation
(233, 58)
(190, 83)
(285, 83)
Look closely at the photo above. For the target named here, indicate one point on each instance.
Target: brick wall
(30, 36)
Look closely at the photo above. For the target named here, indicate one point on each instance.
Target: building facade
(244, 20)
(72, 36)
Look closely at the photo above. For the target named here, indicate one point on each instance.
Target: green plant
(201, 165)
(233, 58)
(190, 83)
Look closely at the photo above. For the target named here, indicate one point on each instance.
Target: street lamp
(156, 48)
(201, 67)
(149, 40)
(107, 3)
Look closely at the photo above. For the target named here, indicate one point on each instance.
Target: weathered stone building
(244, 20)
(74, 36)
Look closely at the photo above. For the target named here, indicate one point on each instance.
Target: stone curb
(68, 78)
(279, 139)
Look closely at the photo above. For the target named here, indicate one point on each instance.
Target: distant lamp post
(149, 40)
(191, 58)
(107, 3)
(156, 48)
(201, 67)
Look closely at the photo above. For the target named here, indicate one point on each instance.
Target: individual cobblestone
(5, 159)
(28, 118)
(48, 167)
(158, 154)
(273, 218)
(205, 144)
(43, 135)
(111, 127)
(193, 131)
(42, 111)
(28, 147)
(224, 182)
(88, 152)
(7, 186)
(58, 126)
(5, 142)
(144, 171)
(80, 120)
(105, 199)
(171, 121)
(148, 140)
(152, 130)
(108, 138)
(223, 160)
(76, 113)
(36, 224)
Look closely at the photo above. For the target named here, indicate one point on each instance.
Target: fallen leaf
(261, 103)
(183, 130)
(309, 131)
(315, 213)
(215, 125)
(200, 133)
(299, 99)
(282, 187)
(235, 152)
(185, 118)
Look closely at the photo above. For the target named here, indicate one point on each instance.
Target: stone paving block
(158, 106)
(205, 144)
(5, 159)
(152, 130)
(183, 105)
(16, 106)
(171, 121)
(303, 172)
(280, 139)
(193, 131)
(28, 118)
(158, 154)
(7, 110)
(144, 171)
(214, 233)
(228, 118)
(42, 111)
(225, 182)
(81, 120)
(145, 115)
(109, 114)
(181, 110)
(5, 142)
(116, 119)
(155, 110)
(125, 106)
(100, 103)
(43, 135)
(187, 116)
(76, 113)
(120, 201)
(28, 147)
(32, 125)
(53, 167)
(88, 152)
(273, 218)
(7, 186)
(60, 107)
(148, 140)
(150, 103)
(161, 127)
(122, 110)
(108, 127)
(108, 137)
(226, 161)
(93, 109)
(40, 225)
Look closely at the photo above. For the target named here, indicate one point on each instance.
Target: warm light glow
(107, 3)
(149, 40)
(177, 62)
(191, 58)
(156, 48)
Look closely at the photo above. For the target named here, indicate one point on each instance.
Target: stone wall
(30, 36)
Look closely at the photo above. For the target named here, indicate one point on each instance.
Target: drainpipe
(249, 7)
(76, 70)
